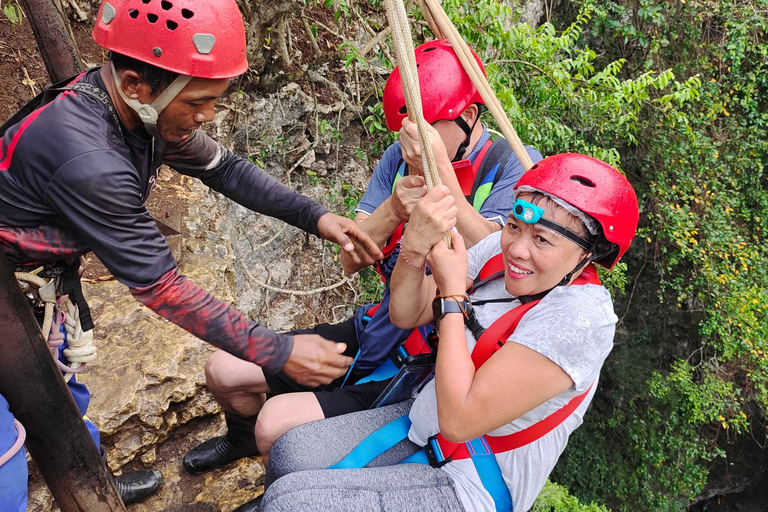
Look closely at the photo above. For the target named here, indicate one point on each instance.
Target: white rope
(80, 349)
(28, 278)
(406, 60)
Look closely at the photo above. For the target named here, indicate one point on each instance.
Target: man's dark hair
(157, 78)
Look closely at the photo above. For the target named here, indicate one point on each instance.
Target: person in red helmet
(480, 174)
(77, 167)
(518, 363)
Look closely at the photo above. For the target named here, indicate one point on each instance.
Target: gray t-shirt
(573, 326)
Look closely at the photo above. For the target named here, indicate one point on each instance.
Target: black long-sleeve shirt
(73, 179)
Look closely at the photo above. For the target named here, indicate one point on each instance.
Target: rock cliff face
(149, 398)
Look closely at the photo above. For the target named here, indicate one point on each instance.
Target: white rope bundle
(81, 349)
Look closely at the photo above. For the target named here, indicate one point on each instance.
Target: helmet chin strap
(467, 131)
(149, 113)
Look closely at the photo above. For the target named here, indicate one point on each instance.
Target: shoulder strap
(492, 270)
(491, 168)
(501, 329)
(499, 332)
(43, 98)
(402, 170)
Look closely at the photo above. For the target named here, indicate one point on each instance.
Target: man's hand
(432, 217)
(411, 150)
(350, 237)
(314, 360)
(408, 191)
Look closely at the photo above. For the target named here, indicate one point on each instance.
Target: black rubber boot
(135, 486)
(238, 442)
(252, 506)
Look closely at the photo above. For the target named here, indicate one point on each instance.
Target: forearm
(252, 187)
(454, 374)
(379, 226)
(412, 292)
(212, 320)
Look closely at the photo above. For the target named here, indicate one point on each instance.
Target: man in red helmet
(481, 180)
(75, 172)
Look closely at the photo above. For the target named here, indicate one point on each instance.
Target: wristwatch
(442, 306)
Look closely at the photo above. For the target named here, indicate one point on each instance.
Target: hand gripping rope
(406, 58)
(443, 28)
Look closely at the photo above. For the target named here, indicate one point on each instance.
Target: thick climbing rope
(406, 59)
(443, 28)
(58, 311)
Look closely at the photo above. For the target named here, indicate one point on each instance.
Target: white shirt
(573, 326)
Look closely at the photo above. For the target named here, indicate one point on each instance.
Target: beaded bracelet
(419, 267)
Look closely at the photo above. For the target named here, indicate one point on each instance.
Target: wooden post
(57, 437)
(54, 38)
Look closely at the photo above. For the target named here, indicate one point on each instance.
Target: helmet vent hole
(430, 49)
(403, 110)
(187, 14)
(171, 25)
(166, 5)
(581, 180)
(152, 18)
(145, 1)
(133, 13)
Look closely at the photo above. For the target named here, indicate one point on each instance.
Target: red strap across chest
(500, 444)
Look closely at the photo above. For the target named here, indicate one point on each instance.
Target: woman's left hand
(449, 266)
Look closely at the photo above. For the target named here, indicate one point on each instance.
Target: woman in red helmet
(518, 362)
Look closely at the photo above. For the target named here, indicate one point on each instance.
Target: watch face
(437, 308)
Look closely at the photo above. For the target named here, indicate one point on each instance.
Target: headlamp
(527, 212)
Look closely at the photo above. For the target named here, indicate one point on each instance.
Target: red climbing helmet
(595, 188)
(446, 89)
(199, 38)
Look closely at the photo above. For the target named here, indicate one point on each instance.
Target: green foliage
(676, 95)
(13, 12)
(555, 498)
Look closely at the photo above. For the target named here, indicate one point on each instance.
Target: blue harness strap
(381, 440)
(375, 444)
(490, 474)
(387, 370)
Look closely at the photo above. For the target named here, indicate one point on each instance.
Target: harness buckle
(435, 453)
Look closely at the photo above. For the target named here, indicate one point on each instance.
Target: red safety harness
(492, 340)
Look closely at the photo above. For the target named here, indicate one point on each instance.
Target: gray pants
(297, 481)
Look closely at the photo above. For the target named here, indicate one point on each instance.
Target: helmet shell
(595, 188)
(204, 39)
(446, 89)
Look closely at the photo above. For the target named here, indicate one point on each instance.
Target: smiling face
(537, 258)
(192, 107)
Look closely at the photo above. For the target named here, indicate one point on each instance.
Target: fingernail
(349, 247)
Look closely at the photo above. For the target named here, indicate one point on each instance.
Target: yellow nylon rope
(406, 59)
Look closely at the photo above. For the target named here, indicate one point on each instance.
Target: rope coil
(57, 311)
